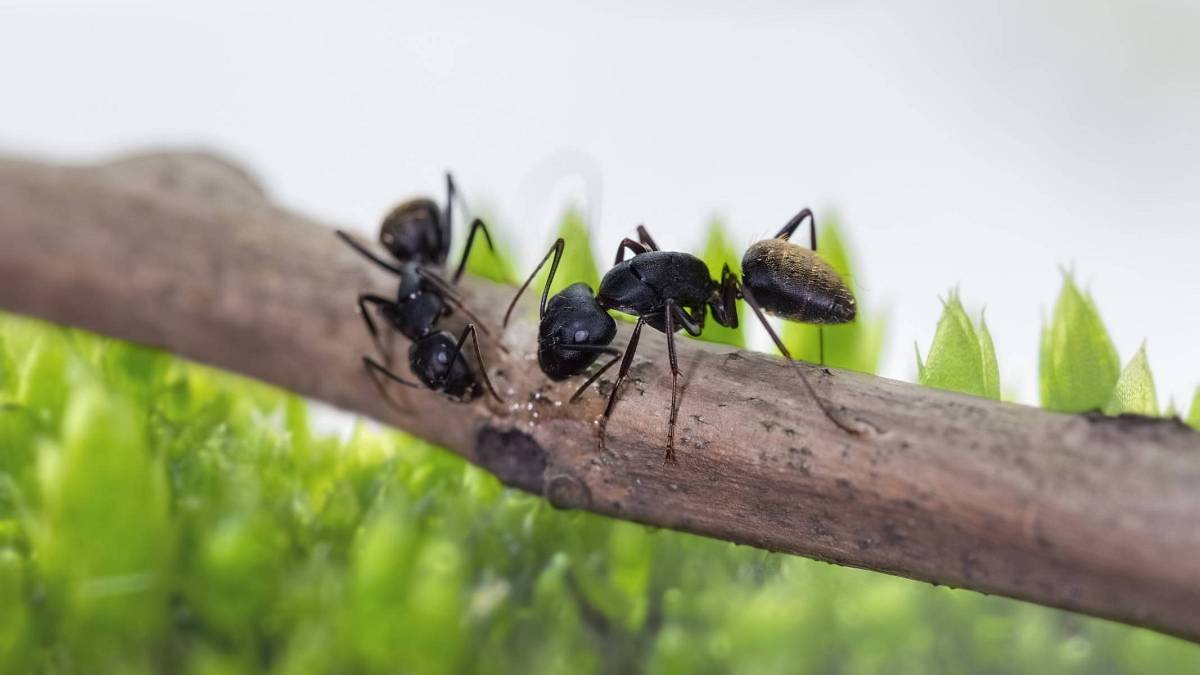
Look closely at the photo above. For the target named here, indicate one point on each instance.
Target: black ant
(672, 290)
(417, 234)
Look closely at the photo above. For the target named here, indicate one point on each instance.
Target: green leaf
(104, 541)
(1134, 391)
(962, 357)
(1079, 364)
(857, 345)
(1193, 417)
(717, 253)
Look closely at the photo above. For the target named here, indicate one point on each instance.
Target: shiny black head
(573, 317)
(432, 359)
(416, 231)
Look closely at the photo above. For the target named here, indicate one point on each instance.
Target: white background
(983, 147)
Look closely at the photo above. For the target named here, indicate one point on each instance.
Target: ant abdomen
(573, 317)
(413, 230)
(796, 284)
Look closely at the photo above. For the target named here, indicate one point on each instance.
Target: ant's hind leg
(749, 297)
(630, 349)
(786, 232)
(645, 238)
(636, 247)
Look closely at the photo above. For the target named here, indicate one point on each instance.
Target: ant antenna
(557, 250)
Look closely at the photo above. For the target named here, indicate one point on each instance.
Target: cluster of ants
(667, 290)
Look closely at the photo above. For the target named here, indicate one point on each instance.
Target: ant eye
(581, 335)
(442, 358)
(388, 238)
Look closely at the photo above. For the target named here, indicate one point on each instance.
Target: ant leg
(630, 349)
(612, 351)
(374, 370)
(637, 247)
(724, 309)
(476, 226)
(645, 238)
(795, 367)
(362, 250)
(469, 330)
(379, 301)
(692, 323)
(670, 320)
(556, 250)
(794, 223)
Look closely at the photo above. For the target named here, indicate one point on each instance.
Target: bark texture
(183, 251)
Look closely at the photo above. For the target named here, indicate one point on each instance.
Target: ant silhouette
(417, 234)
(673, 290)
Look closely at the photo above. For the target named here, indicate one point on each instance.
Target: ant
(672, 290)
(417, 234)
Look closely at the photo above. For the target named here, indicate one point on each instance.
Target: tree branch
(183, 252)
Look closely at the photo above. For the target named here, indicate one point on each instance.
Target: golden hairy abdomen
(794, 283)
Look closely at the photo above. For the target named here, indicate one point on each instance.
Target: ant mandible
(671, 290)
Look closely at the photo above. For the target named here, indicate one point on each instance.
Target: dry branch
(183, 252)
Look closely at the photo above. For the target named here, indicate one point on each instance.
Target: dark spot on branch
(568, 492)
(513, 456)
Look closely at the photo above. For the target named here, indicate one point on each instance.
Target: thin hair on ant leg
(476, 226)
(374, 370)
(556, 249)
(469, 330)
(749, 297)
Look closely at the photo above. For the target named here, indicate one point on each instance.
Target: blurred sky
(983, 145)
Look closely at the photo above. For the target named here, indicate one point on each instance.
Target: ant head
(432, 359)
(413, 231)
(573, 317)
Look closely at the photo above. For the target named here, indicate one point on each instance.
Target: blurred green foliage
(1079, 364)
(1134, 391)
(962, 357)
(1193, 417)
(159, 516)
(856, 345)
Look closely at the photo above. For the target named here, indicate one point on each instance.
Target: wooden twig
(1091, 514)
